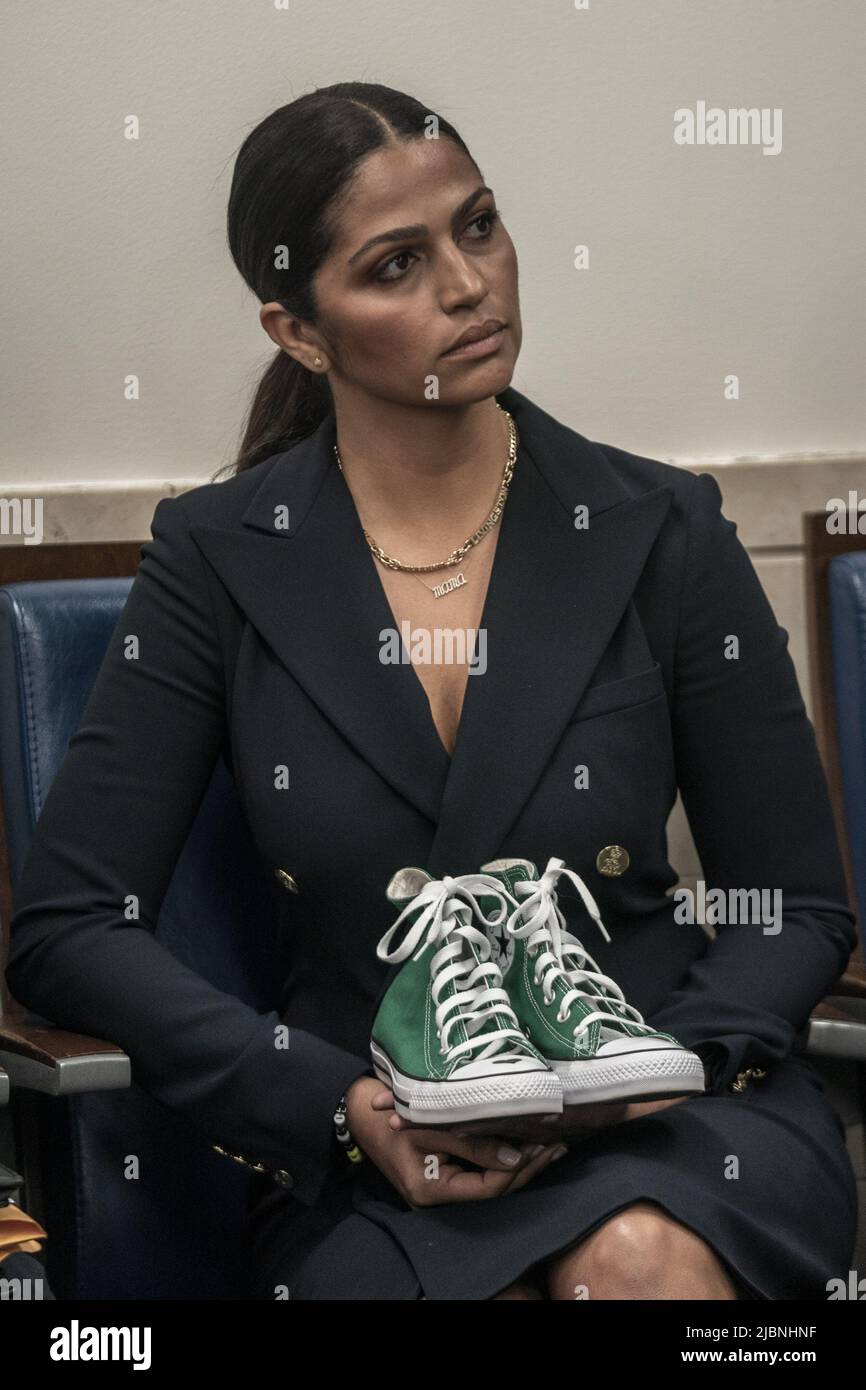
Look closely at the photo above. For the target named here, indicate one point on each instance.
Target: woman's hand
(574, 1122)
(415, 1160)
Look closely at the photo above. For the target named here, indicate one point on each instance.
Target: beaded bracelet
(344, 1136)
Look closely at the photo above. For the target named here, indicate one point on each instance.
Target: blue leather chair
(176, 1232)
(846, 582)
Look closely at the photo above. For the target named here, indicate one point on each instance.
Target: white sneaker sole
(640, 1075)
(534, 1091)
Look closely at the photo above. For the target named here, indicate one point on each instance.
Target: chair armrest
(40, 1057)
(837, 1028)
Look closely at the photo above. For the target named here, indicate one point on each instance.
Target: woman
(623, 647)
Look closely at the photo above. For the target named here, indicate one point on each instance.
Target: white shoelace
(474, 999)
(547, 931)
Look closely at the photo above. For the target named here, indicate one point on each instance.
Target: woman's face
(419, 256)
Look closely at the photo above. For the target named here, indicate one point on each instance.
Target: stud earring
(318, 362)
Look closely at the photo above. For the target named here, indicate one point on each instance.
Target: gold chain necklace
(458, 581)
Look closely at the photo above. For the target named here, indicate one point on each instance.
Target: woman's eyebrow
(420, 228)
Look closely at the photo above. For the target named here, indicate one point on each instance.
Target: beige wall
(704, 260)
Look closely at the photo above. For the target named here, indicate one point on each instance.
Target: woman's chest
(441, 633)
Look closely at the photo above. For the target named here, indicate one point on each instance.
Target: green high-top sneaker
(445, 1038)
(598, 1045)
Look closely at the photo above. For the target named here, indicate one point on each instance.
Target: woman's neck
(422, 473)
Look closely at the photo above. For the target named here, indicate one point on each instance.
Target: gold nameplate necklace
(458, 580)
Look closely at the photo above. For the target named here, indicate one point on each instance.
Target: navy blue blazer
(260, 615)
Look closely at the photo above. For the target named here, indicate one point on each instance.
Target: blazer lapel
(299, 567)
(555, 597)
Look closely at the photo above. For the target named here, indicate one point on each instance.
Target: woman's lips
(480, 348)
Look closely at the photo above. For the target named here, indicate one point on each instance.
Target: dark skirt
(764, 1177)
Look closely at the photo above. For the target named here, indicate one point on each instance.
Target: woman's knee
(640, 1252)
